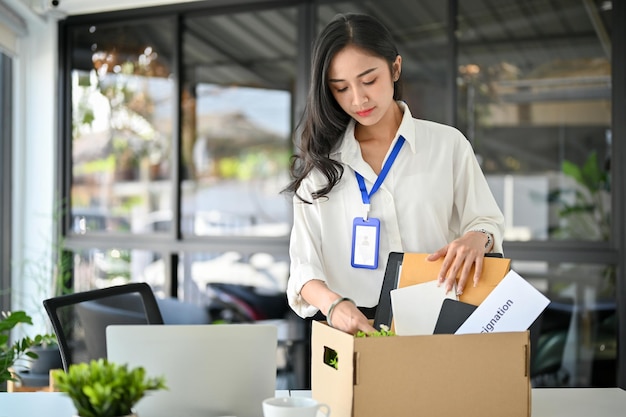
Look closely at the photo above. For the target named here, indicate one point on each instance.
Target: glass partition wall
(239, 70)
(178, 137)
(534, 98)
(180, 146)
(145, 167)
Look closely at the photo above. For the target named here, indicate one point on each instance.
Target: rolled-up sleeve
(305, 252)
(475, 204)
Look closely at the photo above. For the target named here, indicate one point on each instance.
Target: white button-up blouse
(434, 192)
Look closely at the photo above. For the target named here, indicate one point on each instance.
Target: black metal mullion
(6, 200)
(62, 204)
(172, 257)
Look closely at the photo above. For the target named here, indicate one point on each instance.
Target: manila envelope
(416, 270)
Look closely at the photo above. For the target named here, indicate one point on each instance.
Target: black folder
(452, 315)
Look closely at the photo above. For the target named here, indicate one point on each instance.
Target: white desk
(578, 402)
(546, 402)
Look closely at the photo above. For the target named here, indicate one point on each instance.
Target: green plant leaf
(12, 319)
(572, 170)
(10, 354)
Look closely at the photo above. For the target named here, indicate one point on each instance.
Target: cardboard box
(474, 375)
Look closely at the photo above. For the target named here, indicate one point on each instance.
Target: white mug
(294, 407)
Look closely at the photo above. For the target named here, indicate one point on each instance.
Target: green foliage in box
(383, 332)
(105, 389)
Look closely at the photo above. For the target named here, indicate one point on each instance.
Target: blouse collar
(348, 150)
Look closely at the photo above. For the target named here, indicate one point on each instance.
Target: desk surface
(546, 402)
(578, 402)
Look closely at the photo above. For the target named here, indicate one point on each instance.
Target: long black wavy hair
(324, 121)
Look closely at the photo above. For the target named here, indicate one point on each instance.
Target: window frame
(6, 177)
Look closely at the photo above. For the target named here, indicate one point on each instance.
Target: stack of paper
(416, 307)
(505, 301)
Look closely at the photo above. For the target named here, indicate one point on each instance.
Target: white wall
(33, 159)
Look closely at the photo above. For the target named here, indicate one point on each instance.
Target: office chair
(82, 317)
(96, 315)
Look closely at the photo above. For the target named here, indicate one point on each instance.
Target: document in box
(512, 306)
(416, 307)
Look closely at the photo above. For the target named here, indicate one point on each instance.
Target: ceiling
(534, 39)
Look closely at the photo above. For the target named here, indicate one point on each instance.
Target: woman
(370, 180)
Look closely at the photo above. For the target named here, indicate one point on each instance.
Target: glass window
(239, 72)
(577, 343)
(236, 117)
(534, 98)
(534, 88)
(123, 108)
(237, 286)
(101, 268)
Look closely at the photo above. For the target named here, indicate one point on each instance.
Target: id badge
(365, 237)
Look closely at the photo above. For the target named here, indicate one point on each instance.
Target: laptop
(210, 370)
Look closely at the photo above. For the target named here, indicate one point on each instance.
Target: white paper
(511, 307)
(416, 307)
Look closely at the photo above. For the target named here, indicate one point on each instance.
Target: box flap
(416, 269)
(339, 393)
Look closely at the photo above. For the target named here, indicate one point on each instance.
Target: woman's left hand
(459, 256)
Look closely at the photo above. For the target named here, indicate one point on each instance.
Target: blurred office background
(150, 140)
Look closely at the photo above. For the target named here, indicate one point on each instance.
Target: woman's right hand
(345, 316)
(348, 318)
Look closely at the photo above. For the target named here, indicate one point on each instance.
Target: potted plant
(105, 389)
(43, 357)
(12, 353)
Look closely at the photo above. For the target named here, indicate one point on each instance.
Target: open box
(474, 375)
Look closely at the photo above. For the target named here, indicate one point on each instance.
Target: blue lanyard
(381, 177)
